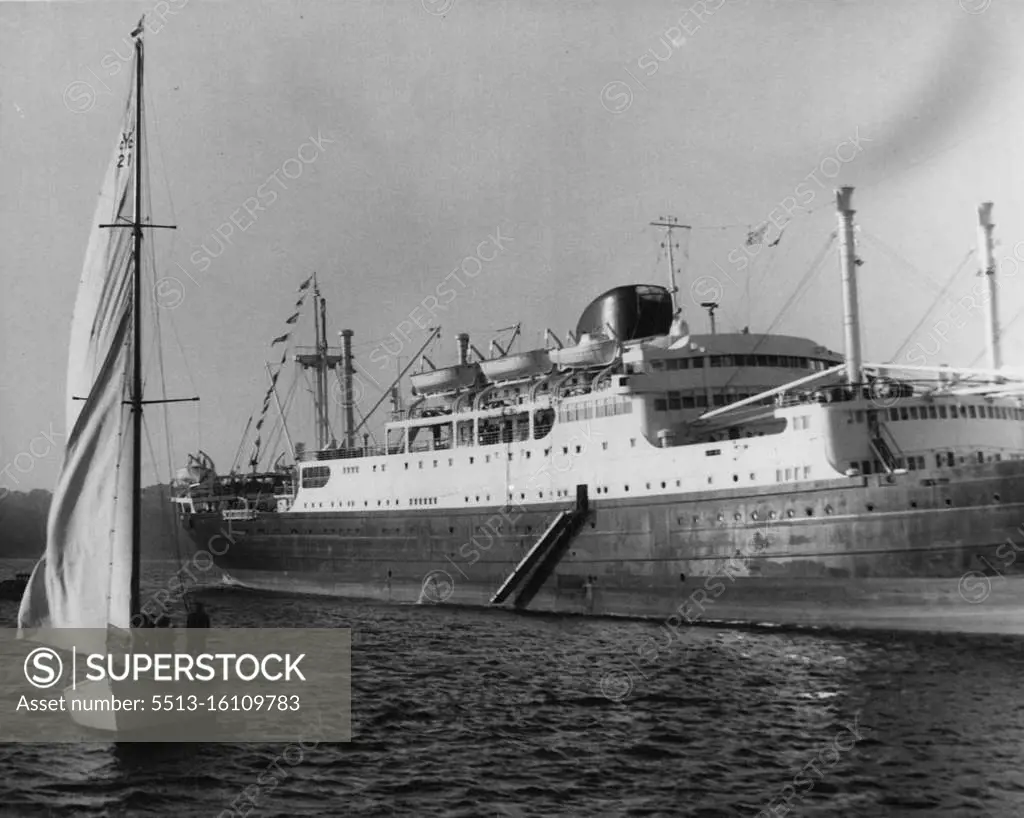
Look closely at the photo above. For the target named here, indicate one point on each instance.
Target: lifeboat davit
(517, 366)
(449, 379)
(589, 352)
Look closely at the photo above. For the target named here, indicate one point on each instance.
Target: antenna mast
(671, 223)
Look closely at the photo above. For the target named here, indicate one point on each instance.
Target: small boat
(516, 366)
(11, 590)
(84, 592)
(448, 379)
(589, 352)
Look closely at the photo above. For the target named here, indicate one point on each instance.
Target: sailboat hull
(125, 710)
(939, 557)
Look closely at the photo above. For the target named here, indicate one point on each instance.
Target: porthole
(682, 577)
(790, 513)
(753, 515)
(737, 516)
(995, 497)
(771, 515)
(809, 512)
(871, 506)
(828, 509)
(948, 502)
(721, 518)
(913, 503)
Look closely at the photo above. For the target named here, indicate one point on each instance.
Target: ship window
(314, 477)
(684, 363)
(904, 413)
(701, 401)
(687, 401)
(657, 366)
(942, 412)
(894, 414)
(970, 409)
(981, 457)
(660, 405)
(932, 412)
(913, 413)
(712, 452)
(543, 420)
(789, 474)
(421, 464)
(673, 401)
(778, 475)
(858, 416)
(697, 363)
(632, 442)
(720, 400)
(865, 467)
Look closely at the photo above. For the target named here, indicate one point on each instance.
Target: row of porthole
(771, 515)
(828, 510)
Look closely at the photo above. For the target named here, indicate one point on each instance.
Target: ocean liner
(642, 470)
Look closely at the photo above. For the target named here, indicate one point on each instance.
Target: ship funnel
(462, 339)
(988, 269)
(849, 263)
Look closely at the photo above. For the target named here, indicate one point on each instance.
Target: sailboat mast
(136, 396)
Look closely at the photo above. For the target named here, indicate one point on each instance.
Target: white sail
(84, 577)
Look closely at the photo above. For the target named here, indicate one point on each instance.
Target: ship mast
(849, 262)
(321, 361)
(988, 269)
(671, 223)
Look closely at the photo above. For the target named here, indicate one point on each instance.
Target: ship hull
(915, 551)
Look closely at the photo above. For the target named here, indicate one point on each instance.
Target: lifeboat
(449, 379)
(589, 352)
(517, 366)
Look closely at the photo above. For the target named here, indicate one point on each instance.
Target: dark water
(479, 713)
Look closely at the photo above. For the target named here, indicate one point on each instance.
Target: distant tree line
(23, 524)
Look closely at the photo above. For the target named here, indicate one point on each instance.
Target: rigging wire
(938, 298)
(885, 248)
(797, 293)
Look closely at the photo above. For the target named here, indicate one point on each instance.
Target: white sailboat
(88, 576)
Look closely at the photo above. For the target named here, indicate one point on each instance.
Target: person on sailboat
(197, 620)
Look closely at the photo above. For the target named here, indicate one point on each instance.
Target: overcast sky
(528, 144)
